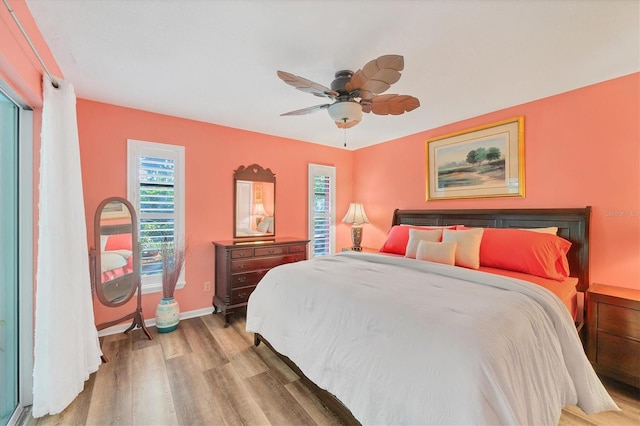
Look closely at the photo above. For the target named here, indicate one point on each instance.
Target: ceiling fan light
(345, 111)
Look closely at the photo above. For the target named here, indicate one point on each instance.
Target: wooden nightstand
(364, 250)
(613, 332)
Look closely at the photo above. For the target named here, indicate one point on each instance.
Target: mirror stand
(138, 319)
(115, 261)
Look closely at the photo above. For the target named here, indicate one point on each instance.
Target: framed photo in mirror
(115, 210)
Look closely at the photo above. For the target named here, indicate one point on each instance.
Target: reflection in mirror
(116, 253)
(254, 215)
(117, 285)
(116, 259)
(255, 192)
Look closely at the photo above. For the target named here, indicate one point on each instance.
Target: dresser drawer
(247, 278)
(238, 254)
(299, 248)
(618, 354)
(623, 322)
(241, 264)
(241, 295)
(263, 262)
(270, 251)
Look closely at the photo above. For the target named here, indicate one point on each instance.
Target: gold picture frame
(485, 161)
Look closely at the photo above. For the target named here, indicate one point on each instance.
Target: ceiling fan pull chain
(345, 133)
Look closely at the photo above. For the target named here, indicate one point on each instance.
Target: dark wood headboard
(124, 228)
(573, 226)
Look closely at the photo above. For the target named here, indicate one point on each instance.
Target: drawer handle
(241, 266)
(242, 255)
(242, 278)
(271, 251)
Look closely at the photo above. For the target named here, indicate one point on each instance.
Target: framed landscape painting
(114, 210)
(486, 161)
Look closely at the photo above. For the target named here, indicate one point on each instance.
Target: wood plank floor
(205, 374)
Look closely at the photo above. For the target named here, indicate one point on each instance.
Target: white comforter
(401, 341)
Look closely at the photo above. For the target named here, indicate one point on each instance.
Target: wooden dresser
(241, 264)
(613, 326)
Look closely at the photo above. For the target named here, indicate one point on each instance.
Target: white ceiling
(216, 61)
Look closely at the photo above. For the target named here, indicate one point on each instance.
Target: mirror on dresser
(240, 263)
(115, 260)
(254, 195)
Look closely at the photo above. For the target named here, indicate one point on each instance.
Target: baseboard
(120, 328)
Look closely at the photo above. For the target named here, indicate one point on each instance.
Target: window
(322, 209)
(156, 190)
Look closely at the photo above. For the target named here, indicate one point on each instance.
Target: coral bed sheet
(115, 263)
(565, 290)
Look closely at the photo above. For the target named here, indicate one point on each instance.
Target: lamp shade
(345, 111)
(259, 210)
(356, 214)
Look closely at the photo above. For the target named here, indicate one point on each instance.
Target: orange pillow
(535, 253)
(398, 237)
(118, 242)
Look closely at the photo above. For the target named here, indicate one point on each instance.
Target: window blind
(157, 210)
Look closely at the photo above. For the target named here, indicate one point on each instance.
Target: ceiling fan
(354, 93)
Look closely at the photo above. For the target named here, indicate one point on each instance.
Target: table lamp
(356, 216)
(259, 212)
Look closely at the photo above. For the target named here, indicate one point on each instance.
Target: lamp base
(356, 238)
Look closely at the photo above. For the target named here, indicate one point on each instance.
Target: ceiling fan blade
(307, 86)
(391, 104)
(347, 125)
(307, 110)
(377, 75)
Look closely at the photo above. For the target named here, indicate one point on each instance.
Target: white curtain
(67, 349)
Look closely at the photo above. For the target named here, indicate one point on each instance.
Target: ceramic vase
(167, 315)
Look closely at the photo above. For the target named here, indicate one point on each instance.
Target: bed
(388, 339)
(116, 260)
(264, 227)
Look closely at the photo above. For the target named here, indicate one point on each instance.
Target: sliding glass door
(16, 256)
(8, 258)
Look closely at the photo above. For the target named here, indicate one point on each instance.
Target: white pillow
(437, 252)
(550, 230)
(109, 261)
(468, 249)
(103, 241)
(417, 235)
(263, 226)
(266, 224)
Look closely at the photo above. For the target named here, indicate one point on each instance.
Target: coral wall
(21, 71)
(212, 153)
(19, 66)
(582, 148)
